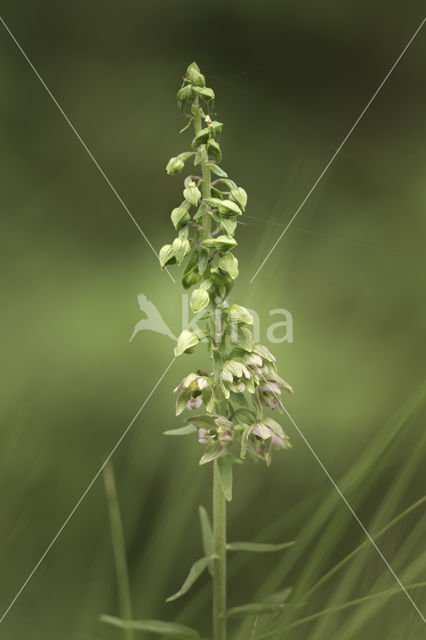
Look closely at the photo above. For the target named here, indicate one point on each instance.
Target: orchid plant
(228, 403)
(227, 406)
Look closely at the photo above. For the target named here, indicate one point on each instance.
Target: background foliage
(290, 79)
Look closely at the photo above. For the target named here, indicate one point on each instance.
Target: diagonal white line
(84, 494)
(90, 154)
(345, 501)
(339, 148)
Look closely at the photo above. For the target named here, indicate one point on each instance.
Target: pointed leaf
(214, 168)
(188, 124)
(258, 547)
(254, 609)
(204, 92)
(225, 476)
(194, 573)
(206, 535)
(168, 629)
(182, 431)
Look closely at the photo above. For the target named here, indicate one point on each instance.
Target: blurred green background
(290, 80)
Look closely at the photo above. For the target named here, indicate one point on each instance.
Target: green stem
(219, 563)
(206, 188)
(119, 549)
(219, 503)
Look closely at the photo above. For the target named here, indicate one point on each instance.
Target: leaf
(202, 261)
(168, 629)
(194, 573)
(258, 547)
(182, 431)
(188, 124)
(212, 453)
(225, 476)
(214, 168)
(200, 299)
(186, 342)
(253, 608)
(206, 535)
(229, 264)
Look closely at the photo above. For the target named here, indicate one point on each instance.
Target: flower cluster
(243, 381)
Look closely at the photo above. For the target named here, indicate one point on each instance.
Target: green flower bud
(201, 137)
(174, 165)
(181, 247)
(214, 151)
(221, 242)
(183, 96)
(200, 299)
(229, 264)
(240, 314)
(192, 194)
(229, 225)
(239, 196)
(179, 216)
(204, 92)
(167, 255)
(194, 76)
(186, 342)
(225, 207)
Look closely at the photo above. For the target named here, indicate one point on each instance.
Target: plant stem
(219, 563)
(119, 549)
(206, 188)
(219, 502)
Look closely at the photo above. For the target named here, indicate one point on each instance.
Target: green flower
(235, 376)
(194, 391)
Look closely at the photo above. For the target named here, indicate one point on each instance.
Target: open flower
(216, 432)
(260, 437)
(269, 384)
(194, 391)
(235, 376)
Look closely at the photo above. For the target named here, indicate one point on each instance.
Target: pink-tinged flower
(235, 376)
(194, 390)
(215, 431)
(259, 438)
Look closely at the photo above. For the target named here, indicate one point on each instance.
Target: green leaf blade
(194, 573)
(167, 629)
(257, 547)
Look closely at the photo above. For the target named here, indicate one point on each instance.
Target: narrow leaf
(214, 168)
(182, 431)
(194, 573)
(168, 629)
(206, 535)
(258, 547)
(225, 476)
(253, 608)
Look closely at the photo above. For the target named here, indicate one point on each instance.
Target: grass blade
(119, 548)
(167, 629)
(194, 573)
